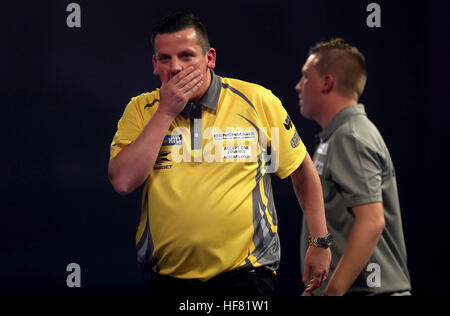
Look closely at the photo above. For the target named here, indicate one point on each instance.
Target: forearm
(129, 169)
(308, 189)
(360, 246)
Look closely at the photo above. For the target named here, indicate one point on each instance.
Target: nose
(298, 87)
(175, 66)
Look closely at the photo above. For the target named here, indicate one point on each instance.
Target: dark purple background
(63, 90)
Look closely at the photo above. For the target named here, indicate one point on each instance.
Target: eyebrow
(160, 56)
(188, 51)
(185, 51)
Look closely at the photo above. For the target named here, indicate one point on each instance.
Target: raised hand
(176, 92)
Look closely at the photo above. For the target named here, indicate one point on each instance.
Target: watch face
(324, 242)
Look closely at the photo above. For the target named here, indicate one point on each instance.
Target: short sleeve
(355, 167)
(287, 148)
(129, 127)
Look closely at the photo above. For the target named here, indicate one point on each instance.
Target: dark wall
(64, 89)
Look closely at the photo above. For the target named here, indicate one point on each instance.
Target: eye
(163, 58)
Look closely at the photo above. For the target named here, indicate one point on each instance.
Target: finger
(322, 279)
(192, 85)
(310, 287)
(317, 279)
(164, 79)
(190, 93)
(182, 74)
(190, 77)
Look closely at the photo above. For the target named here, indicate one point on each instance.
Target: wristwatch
(322, 242)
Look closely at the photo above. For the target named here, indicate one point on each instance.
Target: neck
(333, 108)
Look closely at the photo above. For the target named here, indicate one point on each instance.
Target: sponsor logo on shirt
(172, 140)
(234, 144)
(237, 152)
(323, 148)
(235, 135)
(287, 123)
(162, 161)
(295, 141)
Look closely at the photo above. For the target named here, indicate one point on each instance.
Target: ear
(211, 58)
(155, 69)
(328, 83)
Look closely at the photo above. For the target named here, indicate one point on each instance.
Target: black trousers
(244, 282)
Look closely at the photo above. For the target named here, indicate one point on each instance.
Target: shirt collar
(210, 98)
(339, 119)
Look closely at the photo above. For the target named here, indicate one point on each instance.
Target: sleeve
(129, 127)
(287, 148)
(355, 167)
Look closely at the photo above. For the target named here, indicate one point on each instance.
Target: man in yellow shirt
(205, 147)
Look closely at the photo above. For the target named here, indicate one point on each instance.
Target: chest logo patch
(236, 135)
(173, 140)
(323, 148)
(237, 152)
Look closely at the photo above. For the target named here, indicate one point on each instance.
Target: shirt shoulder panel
(136, 114)
(363, 131)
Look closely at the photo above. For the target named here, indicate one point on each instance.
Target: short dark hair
(180, 21)
(343, 61)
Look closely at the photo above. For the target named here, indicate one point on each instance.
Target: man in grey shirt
(357, 175)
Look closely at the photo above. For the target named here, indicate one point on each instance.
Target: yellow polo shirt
(207, 205)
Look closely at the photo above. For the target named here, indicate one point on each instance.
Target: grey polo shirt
(355, 168)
